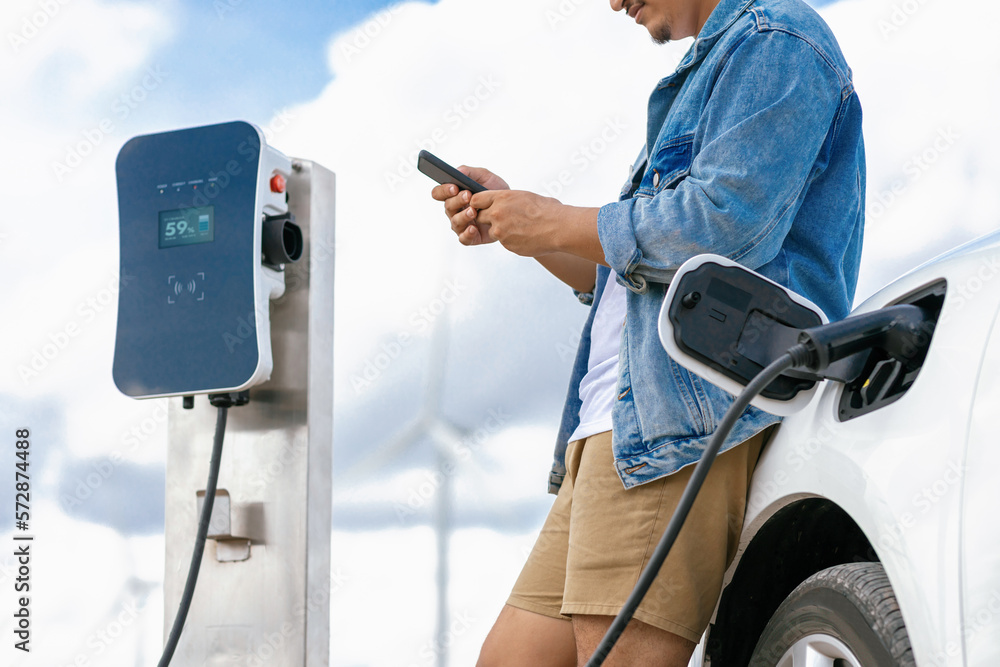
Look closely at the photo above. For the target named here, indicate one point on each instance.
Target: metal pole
(263, 596)
(442, 530)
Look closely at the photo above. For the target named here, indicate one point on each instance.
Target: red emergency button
(277, 183)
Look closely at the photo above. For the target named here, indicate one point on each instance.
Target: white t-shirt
(599, 385)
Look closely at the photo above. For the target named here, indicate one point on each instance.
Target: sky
(551, 95)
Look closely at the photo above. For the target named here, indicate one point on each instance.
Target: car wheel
(844, 616)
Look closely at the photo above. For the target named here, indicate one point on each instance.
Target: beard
(660, 35)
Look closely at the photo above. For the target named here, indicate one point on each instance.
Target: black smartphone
(444, 173)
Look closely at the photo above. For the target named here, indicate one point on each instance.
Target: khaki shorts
(599, 536)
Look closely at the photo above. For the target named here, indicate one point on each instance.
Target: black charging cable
(797, 356)
(222, 402)
(902, 331)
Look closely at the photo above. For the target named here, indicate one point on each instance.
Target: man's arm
(771, 110)
(562, 223)
(775, 123)
(759, 138)
(577, 272)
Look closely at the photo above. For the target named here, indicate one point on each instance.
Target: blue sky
(243, 59)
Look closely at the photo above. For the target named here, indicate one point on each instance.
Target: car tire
(844, 616)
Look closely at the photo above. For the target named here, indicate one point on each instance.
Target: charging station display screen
(187, 226)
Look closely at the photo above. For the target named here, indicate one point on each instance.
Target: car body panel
(980, 532)
(901, 472)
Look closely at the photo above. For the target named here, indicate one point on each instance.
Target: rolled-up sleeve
(772, 108)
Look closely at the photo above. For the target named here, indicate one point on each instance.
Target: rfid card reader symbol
(181, 287)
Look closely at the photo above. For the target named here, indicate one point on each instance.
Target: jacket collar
(721, 19)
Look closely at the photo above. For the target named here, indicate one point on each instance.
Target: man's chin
(660, 34)
(660, 37)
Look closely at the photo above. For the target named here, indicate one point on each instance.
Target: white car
(870, 536)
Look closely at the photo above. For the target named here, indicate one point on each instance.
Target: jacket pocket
(670, 163)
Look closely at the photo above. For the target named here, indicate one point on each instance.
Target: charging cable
(202, 536)
(798, 355)
(899, 330)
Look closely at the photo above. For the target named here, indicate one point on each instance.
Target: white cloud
(65, 67)
(525, 88)
(930, 127)
(84, 47)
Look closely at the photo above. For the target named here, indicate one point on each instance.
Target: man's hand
(525, 223)
(456, 205)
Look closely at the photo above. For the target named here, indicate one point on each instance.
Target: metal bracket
(229, 548)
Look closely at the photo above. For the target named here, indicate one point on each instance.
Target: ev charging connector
(725, 323)
(747, 333)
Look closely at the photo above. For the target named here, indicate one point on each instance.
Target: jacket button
(656, 179)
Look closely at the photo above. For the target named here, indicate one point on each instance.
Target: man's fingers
(483, 200)
(444, 192)
(462, 219)
(470, 236)
(487, 178)
(476, 234)
(455, 205)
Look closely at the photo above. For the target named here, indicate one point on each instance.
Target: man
(753, 151)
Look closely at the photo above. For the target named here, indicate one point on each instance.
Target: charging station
(229, 246)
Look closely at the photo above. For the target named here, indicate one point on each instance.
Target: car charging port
(898, 330)
(890, 370)
(281, 240)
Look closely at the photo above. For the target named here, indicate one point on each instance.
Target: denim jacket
(753, 151)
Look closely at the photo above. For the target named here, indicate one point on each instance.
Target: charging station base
(273, 606)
